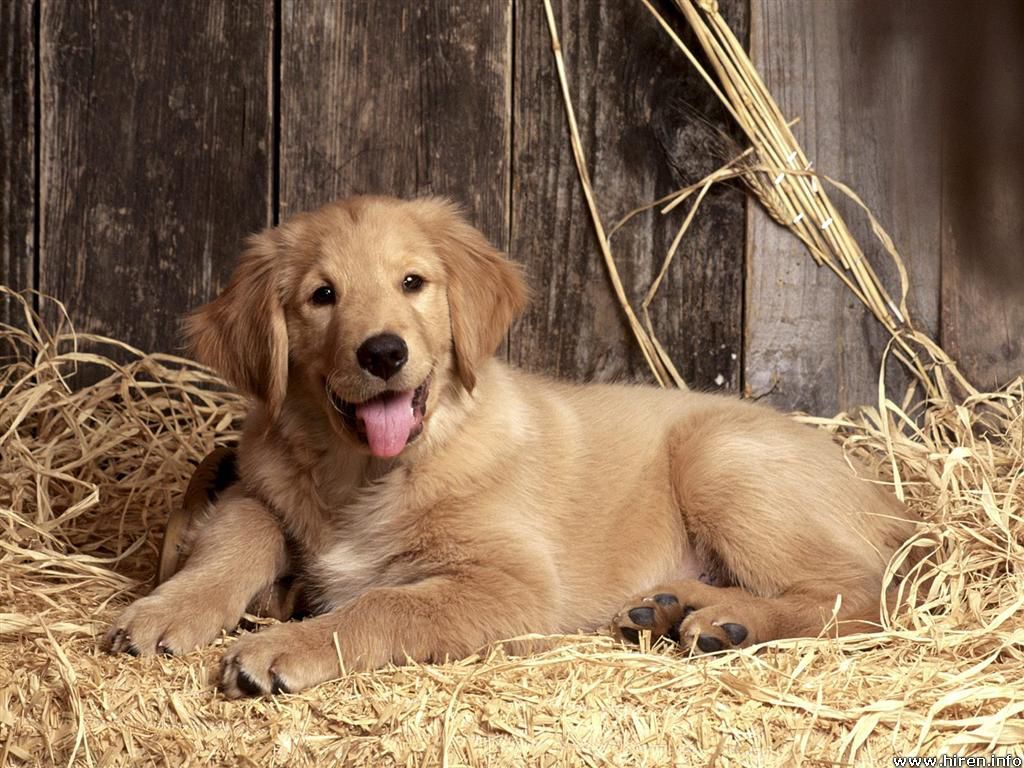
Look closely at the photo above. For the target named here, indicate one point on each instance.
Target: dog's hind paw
(700, 617)
(659, 614)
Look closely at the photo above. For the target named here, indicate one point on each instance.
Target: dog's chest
(347, 569)
(365, 545)
(328, 501)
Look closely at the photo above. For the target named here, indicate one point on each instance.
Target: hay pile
(86, 480)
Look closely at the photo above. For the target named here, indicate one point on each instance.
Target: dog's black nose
(383, 355)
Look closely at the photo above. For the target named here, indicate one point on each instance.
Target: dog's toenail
(248, 685)
(164, 649)
(630, 635)
(664, 598)
(737, 632)
(132, 650)
(642, 616)
(709, 643)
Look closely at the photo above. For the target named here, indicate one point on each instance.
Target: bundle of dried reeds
(779, 174)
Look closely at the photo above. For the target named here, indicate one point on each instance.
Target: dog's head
(370, 307)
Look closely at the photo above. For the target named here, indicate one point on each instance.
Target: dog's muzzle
(388, 422)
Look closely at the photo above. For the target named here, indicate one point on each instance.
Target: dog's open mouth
(388, 422)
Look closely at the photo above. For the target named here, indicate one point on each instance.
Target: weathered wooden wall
(139, 143)
(868, 118)
(18, 188)
(155, 156)
(630, 93)
(807, 336)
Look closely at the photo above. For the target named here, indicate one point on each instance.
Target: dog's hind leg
(795, 541)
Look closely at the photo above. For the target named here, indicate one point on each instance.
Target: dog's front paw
(168, 624)
(281, 659)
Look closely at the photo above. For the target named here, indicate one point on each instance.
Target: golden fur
(526, 505)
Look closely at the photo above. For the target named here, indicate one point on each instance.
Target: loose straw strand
(651, 352)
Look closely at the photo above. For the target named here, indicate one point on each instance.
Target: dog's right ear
(242, 333)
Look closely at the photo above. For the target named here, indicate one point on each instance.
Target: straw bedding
(88, 475)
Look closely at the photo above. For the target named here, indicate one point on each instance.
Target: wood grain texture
(641, 111)
(17, 150)
(155, 157)
(982, 308)
(806, 335)
(397, 98)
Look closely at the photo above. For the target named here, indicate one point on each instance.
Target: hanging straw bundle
(87, 476)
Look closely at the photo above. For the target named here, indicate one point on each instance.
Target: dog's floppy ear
(485, 290)
(242, 333)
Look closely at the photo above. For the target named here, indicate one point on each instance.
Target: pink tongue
(387, 423)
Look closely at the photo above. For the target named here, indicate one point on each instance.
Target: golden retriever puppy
(432, 499)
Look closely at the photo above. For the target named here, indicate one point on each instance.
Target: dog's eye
(322, 296)
(412, 283)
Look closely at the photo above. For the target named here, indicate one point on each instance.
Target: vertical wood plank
(982, 309)
(638, 104)
(155, 156)
(808, 340)
(17, 150)
(401, 99)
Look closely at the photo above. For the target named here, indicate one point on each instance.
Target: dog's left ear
(485, 290)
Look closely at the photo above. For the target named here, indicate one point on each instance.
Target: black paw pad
(737, 632)
(664, 598)
(630, 635)
(247, 684)
(709, 643)
(642, 616)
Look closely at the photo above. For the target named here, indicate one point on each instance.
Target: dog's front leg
(438, 617)
(239, 551)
